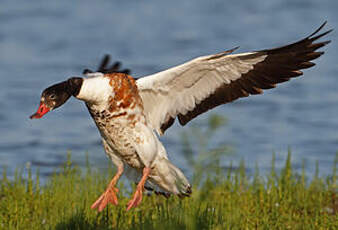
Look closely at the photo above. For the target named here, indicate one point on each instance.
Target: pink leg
(137, 198)
(109, 196)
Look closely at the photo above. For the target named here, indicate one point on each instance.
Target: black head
(56, 95)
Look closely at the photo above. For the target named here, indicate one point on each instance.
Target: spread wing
(190, 89)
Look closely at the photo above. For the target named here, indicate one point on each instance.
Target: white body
(130, 143)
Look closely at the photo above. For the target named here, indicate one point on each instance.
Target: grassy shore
(223, 198)
(230, 200)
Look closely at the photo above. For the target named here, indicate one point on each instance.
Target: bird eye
(52, 96)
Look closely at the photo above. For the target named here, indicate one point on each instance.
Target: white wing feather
(206, 82)
(178, 89)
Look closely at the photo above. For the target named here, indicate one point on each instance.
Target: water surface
(45, 42)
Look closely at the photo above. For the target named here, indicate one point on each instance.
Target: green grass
(222, 198)
(227, 200)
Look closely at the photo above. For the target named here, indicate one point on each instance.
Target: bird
(131, 114)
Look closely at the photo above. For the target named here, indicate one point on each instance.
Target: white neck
(95, 90)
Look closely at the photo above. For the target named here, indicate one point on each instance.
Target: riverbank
(223, 200)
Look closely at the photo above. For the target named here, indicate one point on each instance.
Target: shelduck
(130, 114)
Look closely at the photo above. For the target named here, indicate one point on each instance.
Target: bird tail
(169, 178)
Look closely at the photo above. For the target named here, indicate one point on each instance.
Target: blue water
(43, 42)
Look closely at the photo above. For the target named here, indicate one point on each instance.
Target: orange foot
(137, 198)
(109, 196)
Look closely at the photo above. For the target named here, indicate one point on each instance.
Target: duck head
(56, 95)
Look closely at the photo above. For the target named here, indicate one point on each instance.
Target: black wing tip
(319, 29)
(106, 58)
(309, 40)
(105, 67)
(104, 62)
(126, 71)
(86, 71)
(116, 65)
(326, 42)
(311, 36)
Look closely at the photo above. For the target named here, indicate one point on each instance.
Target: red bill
(42, 110)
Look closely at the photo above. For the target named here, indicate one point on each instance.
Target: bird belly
(121, 137)
(121, 130)
(124, 149)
